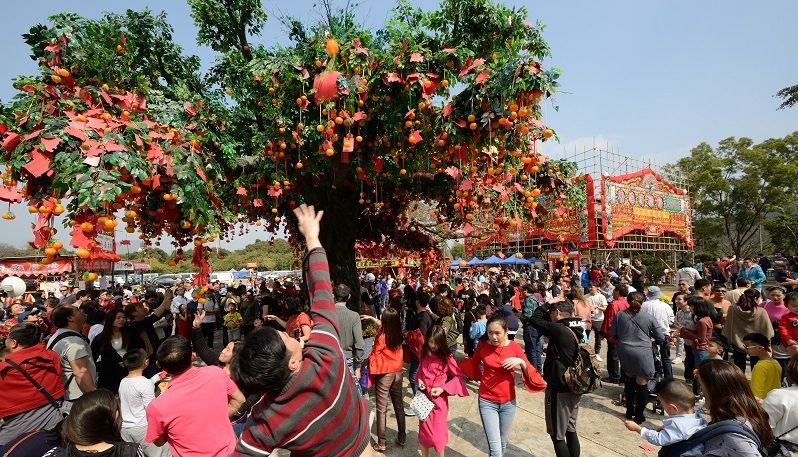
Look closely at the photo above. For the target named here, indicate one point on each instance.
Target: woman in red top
(298, 323)
(499, 359)
(703, 328)
(385, 365)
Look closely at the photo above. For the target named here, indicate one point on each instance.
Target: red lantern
(325, 86)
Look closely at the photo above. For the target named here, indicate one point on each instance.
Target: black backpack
(584, 375)
(705, 434)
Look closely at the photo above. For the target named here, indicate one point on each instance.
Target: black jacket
(561, 351)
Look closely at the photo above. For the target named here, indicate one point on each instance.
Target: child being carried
(679, 402)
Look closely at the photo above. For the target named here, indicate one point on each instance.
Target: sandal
(399, 443)
(378, 448)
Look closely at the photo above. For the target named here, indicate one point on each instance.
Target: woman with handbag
(438, 378)
(494, 364)
(385, 366)
(634, 331)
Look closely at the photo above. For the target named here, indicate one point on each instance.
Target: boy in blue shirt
(679, 402)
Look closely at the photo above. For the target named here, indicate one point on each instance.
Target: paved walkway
(600, 427)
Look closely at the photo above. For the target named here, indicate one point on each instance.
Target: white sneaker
(598, 357)
(409, 412)
(676, 360)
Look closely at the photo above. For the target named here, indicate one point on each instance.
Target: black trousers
(739, 359)
(208, 329)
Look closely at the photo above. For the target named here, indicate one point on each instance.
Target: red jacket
(614, 308)
(21, 395)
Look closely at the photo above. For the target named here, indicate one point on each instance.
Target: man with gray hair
(350, 333)
(663, 315)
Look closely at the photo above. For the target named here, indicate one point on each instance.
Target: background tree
(783, 230)
(739, 185)
(789, 96)
(440, 106)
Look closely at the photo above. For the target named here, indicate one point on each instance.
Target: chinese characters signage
(644, 202)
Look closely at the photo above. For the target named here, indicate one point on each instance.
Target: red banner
(578, 225)
(643, 201)
(29, 269)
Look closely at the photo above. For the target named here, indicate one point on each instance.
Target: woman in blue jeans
(499, 359)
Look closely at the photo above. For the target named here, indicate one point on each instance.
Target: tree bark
(338, 234)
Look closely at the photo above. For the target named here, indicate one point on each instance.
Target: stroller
(659, 375)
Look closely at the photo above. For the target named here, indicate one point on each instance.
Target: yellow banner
(383, 263)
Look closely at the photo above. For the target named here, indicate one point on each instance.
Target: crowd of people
(112, 373)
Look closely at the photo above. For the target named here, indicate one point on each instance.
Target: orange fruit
(547, 133)
(87, 227)
(63, 72)
(56, 79)
(82, 253)
(50, 252)
(57, 245)
(332, 47)
(109, 225)
(58, 210)
(33, 209)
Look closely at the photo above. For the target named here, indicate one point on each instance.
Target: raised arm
(168, 295)
(208, 355)
(317, 271)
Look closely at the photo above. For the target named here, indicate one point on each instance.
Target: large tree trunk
(338, 234)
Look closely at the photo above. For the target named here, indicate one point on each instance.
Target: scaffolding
(598, 161)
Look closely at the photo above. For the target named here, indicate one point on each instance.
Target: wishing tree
(440, 106)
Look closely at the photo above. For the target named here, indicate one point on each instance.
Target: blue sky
(651, 79)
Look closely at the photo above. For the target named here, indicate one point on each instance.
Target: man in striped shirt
(309, 404)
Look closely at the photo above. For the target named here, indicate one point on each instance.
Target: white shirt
(95, 330)
(134, 396)
(596, 302)
(210, 306)
(688, 275)
(782, 408)
(661, 312)
(176, 302)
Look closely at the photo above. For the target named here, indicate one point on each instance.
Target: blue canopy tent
(513, 260)
(474, 262)
(455, 263)
(492, 260)
(244, 273)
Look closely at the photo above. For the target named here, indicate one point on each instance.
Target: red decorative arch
(643, 201)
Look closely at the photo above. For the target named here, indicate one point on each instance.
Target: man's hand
(308, 221)
(198, 318)
(632, 426)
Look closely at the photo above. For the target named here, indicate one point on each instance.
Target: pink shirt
(192, 413)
